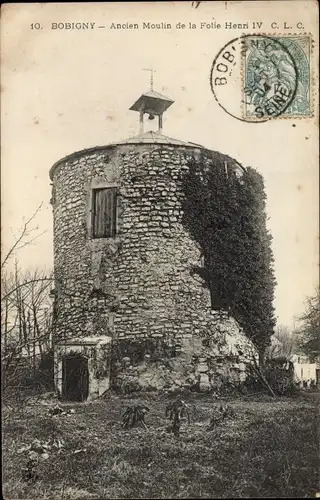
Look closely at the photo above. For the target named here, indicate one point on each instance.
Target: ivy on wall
(224, 211)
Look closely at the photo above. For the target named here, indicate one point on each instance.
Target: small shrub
(224, 412)
(29, 473)
(134, 416)
(176, 411)
(281, 381)
(21, 378)
(279, 374)
(44, 375)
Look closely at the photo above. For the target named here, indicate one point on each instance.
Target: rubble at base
(200, 364)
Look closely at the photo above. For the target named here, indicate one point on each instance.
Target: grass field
(269, 449)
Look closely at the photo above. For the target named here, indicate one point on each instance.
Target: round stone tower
(123, 258)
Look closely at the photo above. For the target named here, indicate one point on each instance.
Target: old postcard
(160, 292)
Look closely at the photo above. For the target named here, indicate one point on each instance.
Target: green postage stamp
(276, 76)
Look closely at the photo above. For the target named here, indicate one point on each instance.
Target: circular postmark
(254, 78)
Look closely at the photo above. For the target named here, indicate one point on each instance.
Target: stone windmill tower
(122, 256)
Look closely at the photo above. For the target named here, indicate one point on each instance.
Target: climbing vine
(224, 210)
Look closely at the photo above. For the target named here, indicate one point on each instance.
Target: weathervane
(151, 75)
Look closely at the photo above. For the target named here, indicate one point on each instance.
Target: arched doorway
(75, 377)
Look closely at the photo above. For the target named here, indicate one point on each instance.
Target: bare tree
(27, 236)
(283, 344)
(308, 331)
(25, 305)
(26, 319)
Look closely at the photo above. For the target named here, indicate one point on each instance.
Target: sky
(66, 90)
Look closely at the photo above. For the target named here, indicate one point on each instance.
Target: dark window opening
(207, 265)
(104, 212)
(216, 303)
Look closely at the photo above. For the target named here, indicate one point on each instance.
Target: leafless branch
(20, 243)
(21, 285)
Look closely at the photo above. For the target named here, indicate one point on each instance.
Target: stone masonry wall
(139, 284)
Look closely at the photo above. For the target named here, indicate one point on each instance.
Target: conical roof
(151, 137)
(146, 138)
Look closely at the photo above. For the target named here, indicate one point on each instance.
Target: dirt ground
(269, 448)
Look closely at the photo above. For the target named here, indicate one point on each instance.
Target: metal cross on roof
(151, 75)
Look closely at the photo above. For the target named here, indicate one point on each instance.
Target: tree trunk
(37, 333)
(5, 338)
